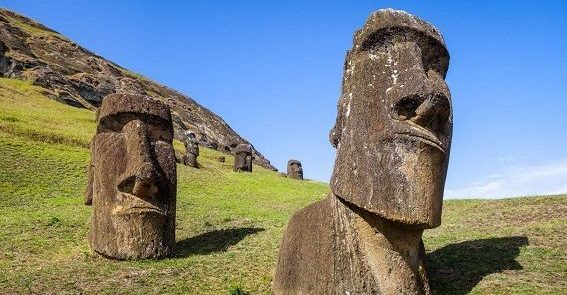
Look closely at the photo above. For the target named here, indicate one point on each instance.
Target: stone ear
(334, 136)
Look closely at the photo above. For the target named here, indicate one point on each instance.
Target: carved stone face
(133, 179)
(243, 158)
(394, 125)
(294, 169)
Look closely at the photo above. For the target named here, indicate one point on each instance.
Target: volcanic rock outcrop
(132, 179)
(392, 134)
(75, 76)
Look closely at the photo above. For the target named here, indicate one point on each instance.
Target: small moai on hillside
(191, 151)
(132, 179)
(243, 158)
(294, 169)
(389, 174)
(221, 159)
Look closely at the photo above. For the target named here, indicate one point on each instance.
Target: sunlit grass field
(229, 225)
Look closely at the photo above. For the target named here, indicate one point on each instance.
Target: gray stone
(393, 135)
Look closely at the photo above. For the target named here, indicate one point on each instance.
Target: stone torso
(331, 249)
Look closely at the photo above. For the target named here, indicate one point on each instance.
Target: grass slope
(229, 225)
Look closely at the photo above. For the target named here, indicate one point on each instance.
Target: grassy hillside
(229, 225)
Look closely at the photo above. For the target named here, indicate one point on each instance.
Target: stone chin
(401, 178)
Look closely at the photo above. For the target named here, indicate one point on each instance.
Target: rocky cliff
(73, 75)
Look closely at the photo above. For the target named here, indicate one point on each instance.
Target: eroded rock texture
(243, 158)
(73, 75)
(294, 169)
(132, 179)
(393, 135)
(191, 151)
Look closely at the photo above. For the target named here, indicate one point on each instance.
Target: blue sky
(272, 70)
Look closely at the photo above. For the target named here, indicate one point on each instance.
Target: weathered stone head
(294, 169)
(243, 157)
(394, 123)
(191, 151)
(132, 179)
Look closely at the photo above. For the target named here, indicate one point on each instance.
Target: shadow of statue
(212, 241)
(455, 269)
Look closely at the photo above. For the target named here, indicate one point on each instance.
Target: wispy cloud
(544, 179)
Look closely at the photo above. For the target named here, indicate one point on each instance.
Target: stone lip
(78, 77)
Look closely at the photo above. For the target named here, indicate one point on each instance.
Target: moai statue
(243, 158)
(393, 135)
(132, 179)
(294, 169)
(191, 151)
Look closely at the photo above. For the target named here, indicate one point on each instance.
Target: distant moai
(243, 158)
(294, 169)
(221, 159)
(191, 151)
(392, 135)
(132, 179)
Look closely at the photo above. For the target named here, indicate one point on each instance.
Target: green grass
(229, 225)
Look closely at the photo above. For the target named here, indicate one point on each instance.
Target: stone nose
(431, 112)
(141, 176)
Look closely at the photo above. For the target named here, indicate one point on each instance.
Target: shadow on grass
(457, 268)
(213, 241)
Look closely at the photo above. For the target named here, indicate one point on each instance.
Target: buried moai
(392, 135)
(191, 151)
(243, 158)
(132, 179)
(294, 169)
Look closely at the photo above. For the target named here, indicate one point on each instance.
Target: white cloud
(544, 179)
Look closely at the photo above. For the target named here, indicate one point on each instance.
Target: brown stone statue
(294, 169)
(191, 151)
(243, 158)
(393, 135)
(132, 179)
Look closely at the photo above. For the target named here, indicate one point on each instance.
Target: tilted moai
(243, 158)
(294, 169)
(392, 135)
(132, 179)
(191, 151)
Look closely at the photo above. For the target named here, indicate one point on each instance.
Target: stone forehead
(243, 148)
(132, 103)
(385, 19)
(291, 162)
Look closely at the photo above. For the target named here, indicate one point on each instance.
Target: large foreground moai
(243, 157)
(132, 179)
(191, 151)
(392, 134)
(294, 169)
